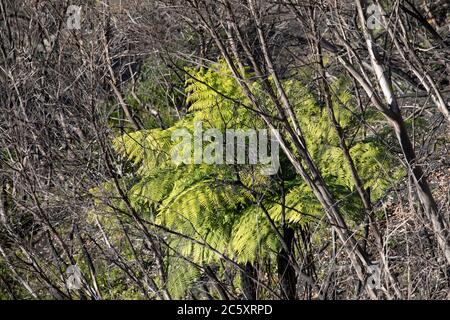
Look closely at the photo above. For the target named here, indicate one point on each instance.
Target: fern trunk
(286, 272)
(247, 283)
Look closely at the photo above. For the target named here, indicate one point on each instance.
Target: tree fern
(220, 204)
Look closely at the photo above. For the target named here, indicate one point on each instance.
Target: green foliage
(216, 98)
(182, 276)
(374, 165)
(220, 205)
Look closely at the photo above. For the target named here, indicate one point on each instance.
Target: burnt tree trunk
(248, 284)
(286, 272)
